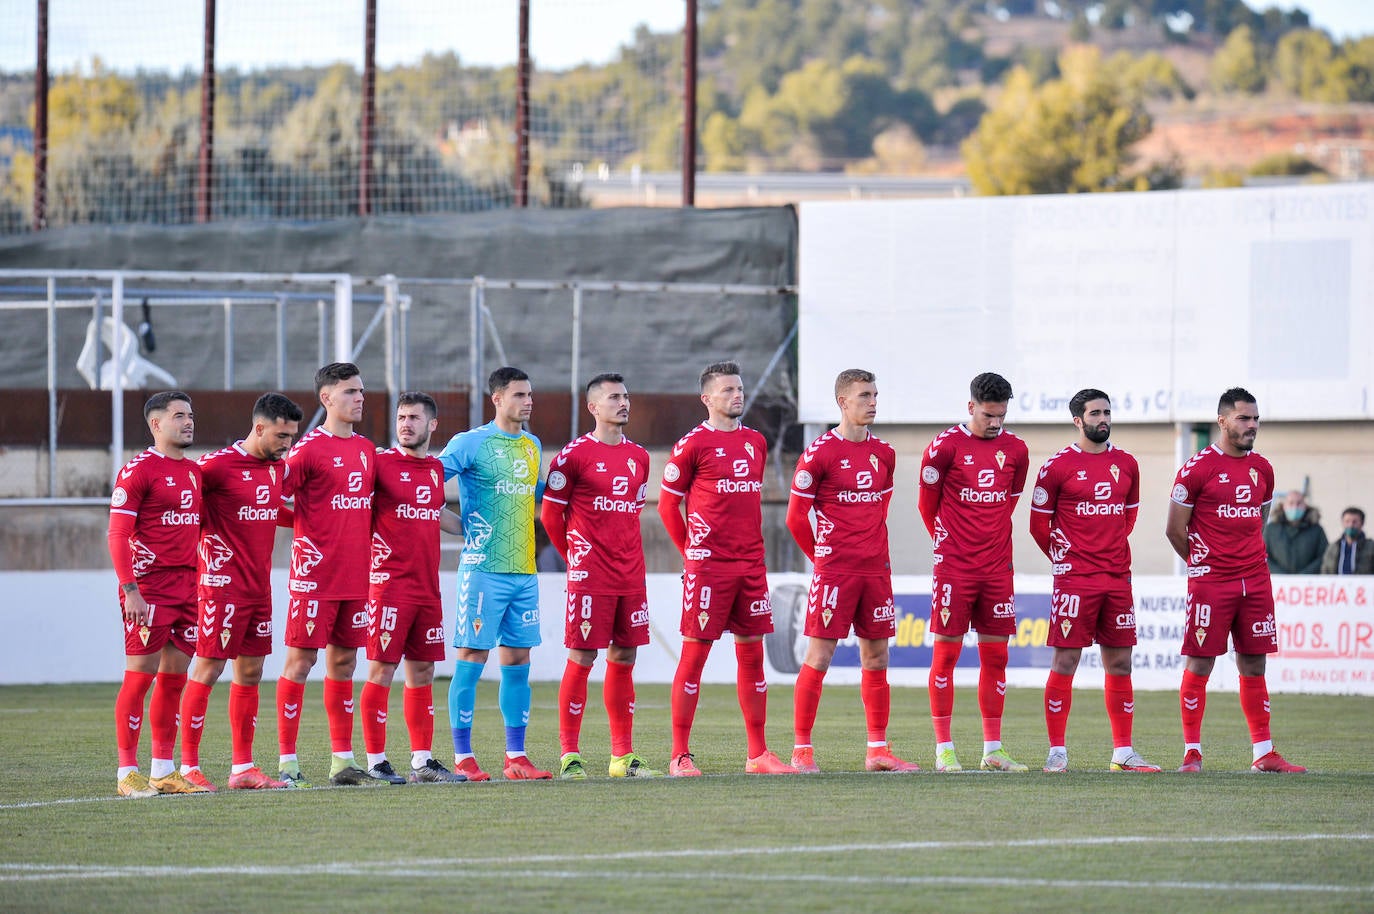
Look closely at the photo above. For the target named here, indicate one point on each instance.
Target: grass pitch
(1226, 840)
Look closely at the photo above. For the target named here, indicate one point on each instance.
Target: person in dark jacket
(1351, 552)
(1293, 538)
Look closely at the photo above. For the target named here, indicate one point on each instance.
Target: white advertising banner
(1162, 299)
(65, 627)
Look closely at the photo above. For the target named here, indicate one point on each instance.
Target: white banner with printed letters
(65, 627)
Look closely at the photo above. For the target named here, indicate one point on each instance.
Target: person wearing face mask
(1351, 552)
(1293, 538)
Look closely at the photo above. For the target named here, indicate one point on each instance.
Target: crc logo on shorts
(529, 617)
(802, 480)
(360, 618)
(557, 481)
(929, 475)
(434, 634)
(640, 616)
(1039, 496)
(671, 473)
(1125, 620)
(188, 634)
(1004, 610)
(761, 608)
(264, 629)
(1264, 628)
(885, 613)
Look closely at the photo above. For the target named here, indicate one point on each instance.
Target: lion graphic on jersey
(304, 556)
(215, 552)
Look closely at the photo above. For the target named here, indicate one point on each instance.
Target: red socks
(877, 698)
(289, 697)
(1120, 697)
(1254, 703)
(686, 691)
(162, 713)
(129, 715)
(752, 688)
(619, 695)
(1192, 703)
(195, 699)
(992, 686)
(338, 707)
(1058, 701)
(243, 722)
(944, 655)
(374, 702)
(419, 712)
(806, 698)
(572, 702)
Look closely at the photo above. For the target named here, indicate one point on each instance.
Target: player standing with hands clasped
(845, 477)
(1216, 524)
(715, 475)
(1083, 509)
(595, 492)
(971, 477)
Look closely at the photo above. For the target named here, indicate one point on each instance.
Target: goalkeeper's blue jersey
(498, 487)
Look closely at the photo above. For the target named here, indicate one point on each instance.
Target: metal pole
(522, 110)
(343, 319)
(403, 330)
(475, 354)
(205, 172)
(117, 381)
(369, 110)
(689, 107)
(40, 123)
(228, 344)
(281, 342)
(576, 371)
(393, 389)
(52, 386)
(322, 346)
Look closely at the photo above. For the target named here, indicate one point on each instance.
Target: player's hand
(135, 607)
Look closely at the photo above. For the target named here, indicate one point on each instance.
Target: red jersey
(405, 529)
(720, 474)
(332, 481)
(1230, 498)
(1092, 500)
(163, 496)
(242, 496)
(849, 485)
(602, 488)
(969, 488)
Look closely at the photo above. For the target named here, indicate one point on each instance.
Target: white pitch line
(449, 867)
(410, 873)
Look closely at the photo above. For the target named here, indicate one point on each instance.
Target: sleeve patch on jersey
(930, 476)
(1180, 493)
(557, 481)
(803, 480)
(119, 497)
(1039, 496)
(671, 473)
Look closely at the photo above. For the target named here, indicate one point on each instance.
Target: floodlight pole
(522, 110)
(369, 110)
(689, 106)
(205, 165)
(40, 123)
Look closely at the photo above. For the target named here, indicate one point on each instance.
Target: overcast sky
(166, 34)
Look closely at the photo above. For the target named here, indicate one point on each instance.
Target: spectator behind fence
(1293, 538)
(1351, 552)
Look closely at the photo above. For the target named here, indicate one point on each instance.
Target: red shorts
(1092, 608)
(986, 604)
(1241, 607)
(712, 603)
(415, 632)
(312, 624)
(167, 622)
(836, 601)
(229, 630)
(597, 620)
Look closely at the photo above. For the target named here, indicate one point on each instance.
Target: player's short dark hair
(606, 377)
(1355, 511)
(501, 378)
(989, 387)
(158, 401)
(273, 406)
(333, 373)
(852, 376)
(1078, 403)
(1231, 397)
(419, 398)
(717, 370)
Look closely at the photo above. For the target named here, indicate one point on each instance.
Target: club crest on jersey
(1115, 471)
(873, 462)
(434, 476)
(1001, 459)
(630, 462)
(1254, 476)
(272, 474)
(749, 449)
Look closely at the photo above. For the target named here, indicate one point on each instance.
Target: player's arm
(1040, 530)
(670, 512)
(1176, 528)
(935, 461)
(552, 515)
(1018, 480)
(799, 524)
(454, 457)
(1043, 503)
(451, 522)
(122, 557)
(1133, 499)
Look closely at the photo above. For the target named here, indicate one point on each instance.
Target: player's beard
(1097, 434)
(1241, 442)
